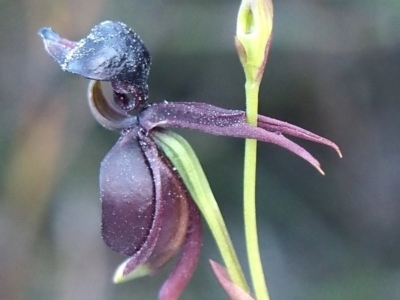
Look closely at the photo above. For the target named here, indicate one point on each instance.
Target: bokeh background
(333, 69)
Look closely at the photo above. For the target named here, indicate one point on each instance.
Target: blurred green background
(333, 69)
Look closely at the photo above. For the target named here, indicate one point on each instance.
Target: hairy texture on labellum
(111, 52)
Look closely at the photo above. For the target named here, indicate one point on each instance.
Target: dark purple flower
(148, 213)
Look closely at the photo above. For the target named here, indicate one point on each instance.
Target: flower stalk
(253, 35)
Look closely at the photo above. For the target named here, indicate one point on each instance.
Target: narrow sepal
(274, 125)
(234, 292)
(218, 121)
(191, 115)
(184, 268)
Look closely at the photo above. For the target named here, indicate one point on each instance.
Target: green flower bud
(253, 35)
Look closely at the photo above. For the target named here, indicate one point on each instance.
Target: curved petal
(175, 203)
(275, 125)
(184, 268)
(171, 215)
(152, 157)
(181, 224)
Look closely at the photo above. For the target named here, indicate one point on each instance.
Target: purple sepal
(274, 125)
(184, 268)
(218, 121)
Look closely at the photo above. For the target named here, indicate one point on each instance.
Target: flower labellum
(111, 52)
(147, 211)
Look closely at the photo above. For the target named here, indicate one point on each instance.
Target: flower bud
(253, 34)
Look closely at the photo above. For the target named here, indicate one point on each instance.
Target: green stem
(249, 198)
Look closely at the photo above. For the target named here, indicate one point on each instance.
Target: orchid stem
(249, 197)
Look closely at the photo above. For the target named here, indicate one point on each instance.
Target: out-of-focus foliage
(333, 68)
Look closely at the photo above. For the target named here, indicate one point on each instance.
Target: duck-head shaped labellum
(111, 52)
(147, 212)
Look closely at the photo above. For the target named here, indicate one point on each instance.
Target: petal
(183, 271)
(181, 224)
(218, 121)
(127, 195)
(175, 213)
(192, 115)
(274, 125)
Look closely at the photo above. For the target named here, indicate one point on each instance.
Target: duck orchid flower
(148, 213)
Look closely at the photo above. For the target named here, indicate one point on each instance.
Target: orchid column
(253, 36)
